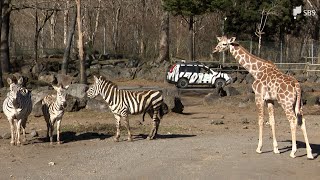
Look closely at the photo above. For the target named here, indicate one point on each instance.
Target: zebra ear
(56, 87)
(66, 87)
(219, 38)
(9, 81)
(20, 81)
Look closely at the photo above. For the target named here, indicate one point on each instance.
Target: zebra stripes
(124, 102)
(17, 107)
(53, 110)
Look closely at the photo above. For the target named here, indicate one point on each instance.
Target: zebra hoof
(12, 143)
(130, 139)
(116, 139)
(59, 142)
(150, 138)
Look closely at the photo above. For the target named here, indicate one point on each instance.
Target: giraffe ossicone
(270, 85)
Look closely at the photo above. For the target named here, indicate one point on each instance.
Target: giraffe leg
(126, 123)
(118, 118)
(304, 130)
(259, 103)
(272, 124)
(293, 126)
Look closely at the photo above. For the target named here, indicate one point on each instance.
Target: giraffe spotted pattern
(270, 85)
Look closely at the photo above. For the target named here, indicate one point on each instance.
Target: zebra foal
(124, 102)
(53, 110)
(17, 107)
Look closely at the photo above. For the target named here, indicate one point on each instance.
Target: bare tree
(1, 6)
(39, 27)
(83, 76)
(5, 28)
(260, 27)
(66, 55)
(164, 37)
(65, 21)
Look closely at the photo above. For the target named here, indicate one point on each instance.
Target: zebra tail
(298, 105)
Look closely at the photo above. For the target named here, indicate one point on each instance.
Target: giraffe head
(223, 44)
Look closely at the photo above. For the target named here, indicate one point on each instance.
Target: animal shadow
(70, 136)
(163, 136)
(302, 145)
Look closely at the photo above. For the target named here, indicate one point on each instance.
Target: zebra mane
(108, 81)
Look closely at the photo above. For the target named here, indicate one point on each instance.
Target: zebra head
(93, 90)
(61, 95)
(14, 92)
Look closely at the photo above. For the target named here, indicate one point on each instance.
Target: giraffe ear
(219, 38)
(231, 40)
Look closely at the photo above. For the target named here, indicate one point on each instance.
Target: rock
(231, 91)
(34, 133)
(97, 105)
(245, 127)
(217, 122)
(64, 79)
(37, 109)
(210, 98)
(242, 105)
(244, 121)
(6, 135)
(78, 90)
(48, 78)
(249, 79)
(75, 104)
(178, 106)
(37, 69)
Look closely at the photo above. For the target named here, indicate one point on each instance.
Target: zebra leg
(58, 131)
(18, 125)
(51, 133)
(12, 128)
(155, 125)
(126, 123)
(23, 125)
(118, 118)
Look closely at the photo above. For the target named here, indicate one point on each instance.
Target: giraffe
(270, 85)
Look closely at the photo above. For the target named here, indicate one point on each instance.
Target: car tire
(182, 83)
(220, 83)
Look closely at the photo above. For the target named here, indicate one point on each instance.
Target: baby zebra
(17, 106)
(53, 110)
(124, 102)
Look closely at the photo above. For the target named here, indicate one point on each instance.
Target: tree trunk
(164, 38)
(83, 76)
(1, 6)
(53, 23)
(36, 35)
(65, 22)
(66, 55)
(5, 27)
(116, 30)
(191, 39)
(142, 30)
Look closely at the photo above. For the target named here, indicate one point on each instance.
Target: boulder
(78, 90)
(48, 78)
(75, 104)
(97, 105)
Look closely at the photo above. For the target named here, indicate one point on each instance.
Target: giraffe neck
(250, 62)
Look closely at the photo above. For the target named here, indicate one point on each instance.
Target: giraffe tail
(298, 105)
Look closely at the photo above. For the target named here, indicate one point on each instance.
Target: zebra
(125, 102)
(53, 110)
(17, 107)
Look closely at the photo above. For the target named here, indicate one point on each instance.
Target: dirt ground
(206, 142)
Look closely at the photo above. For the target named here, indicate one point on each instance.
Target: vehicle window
(188, 69)
(204, 70)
